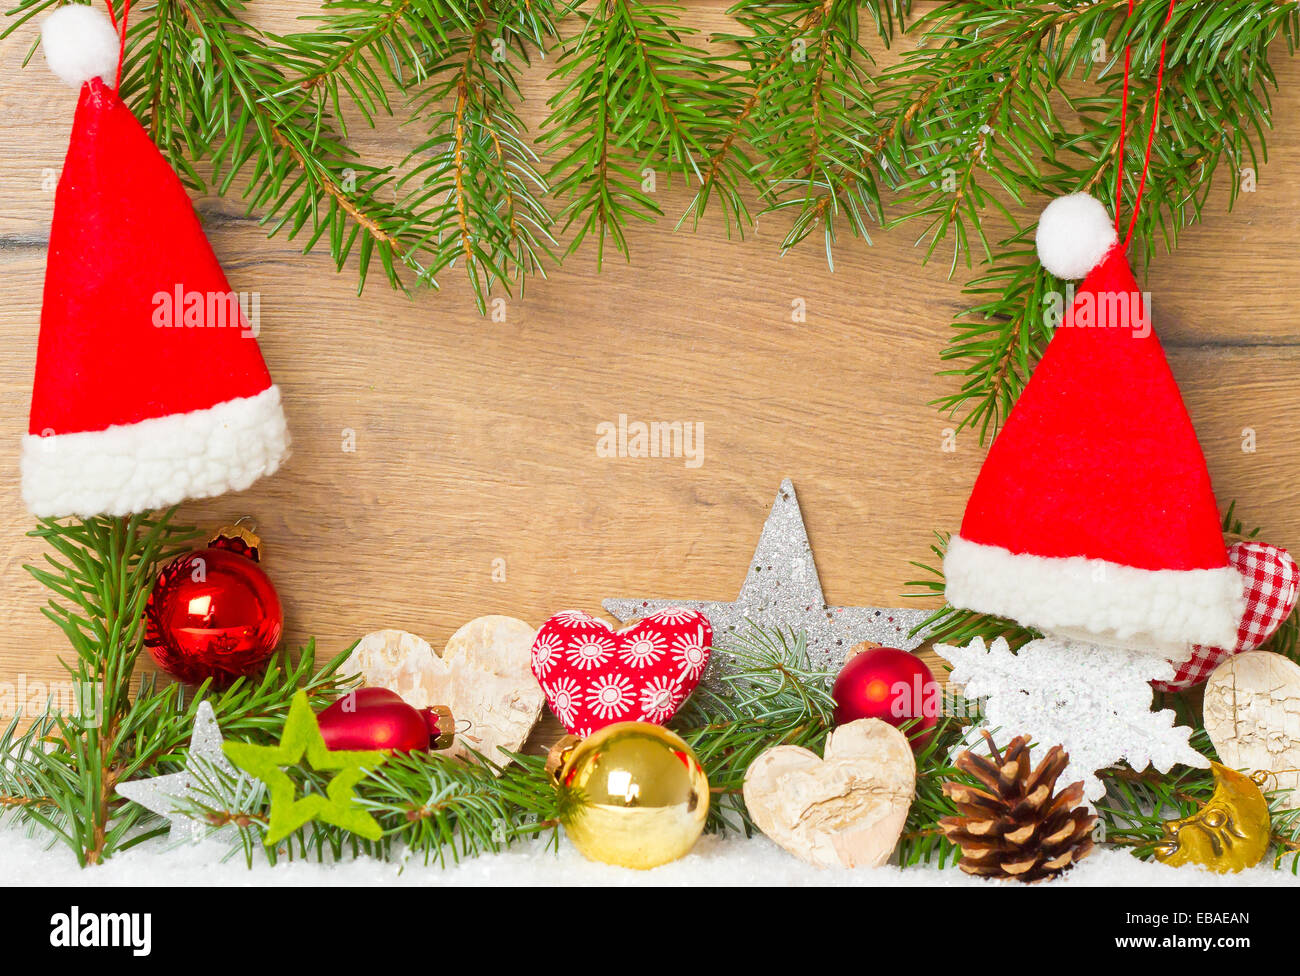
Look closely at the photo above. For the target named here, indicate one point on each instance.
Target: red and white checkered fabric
(1272, 583)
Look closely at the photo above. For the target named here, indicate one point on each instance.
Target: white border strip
(1164, 610)
(157, 462)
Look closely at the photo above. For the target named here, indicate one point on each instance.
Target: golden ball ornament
(639, 795)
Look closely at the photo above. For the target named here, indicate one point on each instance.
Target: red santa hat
(1093, 515)
(150, 387)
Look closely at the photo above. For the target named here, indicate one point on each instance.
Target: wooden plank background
(475, 441)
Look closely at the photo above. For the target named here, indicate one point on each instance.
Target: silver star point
(782, 589)
(169, 795)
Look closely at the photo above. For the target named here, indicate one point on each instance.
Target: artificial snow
(26, 860)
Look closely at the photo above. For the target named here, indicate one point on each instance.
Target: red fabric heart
(1272, 584)
(593, 675)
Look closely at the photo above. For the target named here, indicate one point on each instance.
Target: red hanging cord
(1151, 135)
(121, 29)
(1123, 125)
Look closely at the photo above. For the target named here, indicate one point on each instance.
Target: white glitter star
(170, 795)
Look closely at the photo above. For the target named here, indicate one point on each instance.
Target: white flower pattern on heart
(611, 696)
(591, 652)
(659, 699)
(563, 696)
(673, 615)
(579, 619)
(643, 649)
(691, 652)
(548, 651)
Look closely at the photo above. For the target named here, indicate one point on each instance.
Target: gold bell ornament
(636, 795)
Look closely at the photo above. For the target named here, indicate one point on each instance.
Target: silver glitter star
(782, 590)
(168, 795)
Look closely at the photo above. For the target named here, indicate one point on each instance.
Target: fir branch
(463, 809)
(1017, 306)
(101, 572)
(636, 94)
(980, 143)
(922, 842)
(996, 104)
(431, 807)
(475, 180)
(950, 625)
(976, 95)
(798, 117)
(1138, 803)
(365, 49)
(774, 697)
(808, 160)
(159, 726)
(300, 172)
(62, 772)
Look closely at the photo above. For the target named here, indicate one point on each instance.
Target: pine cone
(1020, 827)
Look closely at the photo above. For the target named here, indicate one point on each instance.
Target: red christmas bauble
(213, 614)
(891, 685)
(373, 718)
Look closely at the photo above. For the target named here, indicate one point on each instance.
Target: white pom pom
(80, 44)
(1074, 234)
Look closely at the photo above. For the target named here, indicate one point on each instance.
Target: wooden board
(475, 441)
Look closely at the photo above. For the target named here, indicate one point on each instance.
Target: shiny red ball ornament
(377, 718)
(891, 685)
(213, 614)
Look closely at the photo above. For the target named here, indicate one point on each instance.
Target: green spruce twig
(61, 772)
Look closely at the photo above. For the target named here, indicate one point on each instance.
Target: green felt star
(302, 735)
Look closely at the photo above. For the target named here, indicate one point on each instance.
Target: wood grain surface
(475, 441)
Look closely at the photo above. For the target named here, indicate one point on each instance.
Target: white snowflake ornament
(1094, 701)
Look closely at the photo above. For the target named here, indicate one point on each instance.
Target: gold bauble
(639, 796)
(1230, 833)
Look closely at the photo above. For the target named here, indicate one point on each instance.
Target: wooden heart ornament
(593, 675)
(482, 676)
(844, 810)
(1252, 714)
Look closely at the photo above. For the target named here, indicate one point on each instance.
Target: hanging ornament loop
(121, 30)
(1151, 133)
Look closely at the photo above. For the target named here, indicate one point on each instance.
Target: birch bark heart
(482, 676)
(845, 810)
(1252, 714)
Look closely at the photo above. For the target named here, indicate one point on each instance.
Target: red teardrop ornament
(374, 718)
